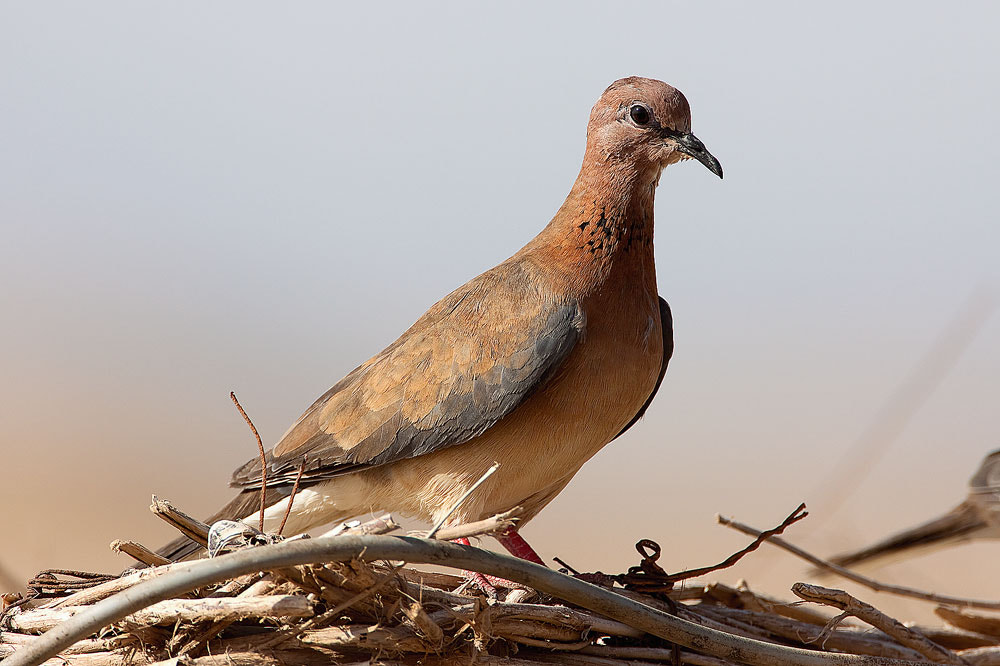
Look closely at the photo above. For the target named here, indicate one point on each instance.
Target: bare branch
(190, 527)
(411, 549)
(263, 457)
(858, 578)
(465, 496)
(907, 636)
(291, 498)
(497, 523)
(138, 552)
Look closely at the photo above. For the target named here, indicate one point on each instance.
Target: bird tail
(243, 505)
(960, 524)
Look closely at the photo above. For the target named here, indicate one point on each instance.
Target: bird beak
(690, 145)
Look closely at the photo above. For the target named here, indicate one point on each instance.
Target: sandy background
(203, 198)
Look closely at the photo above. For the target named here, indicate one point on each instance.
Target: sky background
(204, 197)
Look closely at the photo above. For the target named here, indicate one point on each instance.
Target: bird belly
(545, 441)
(540, 445)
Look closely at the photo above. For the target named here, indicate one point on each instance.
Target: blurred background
(197, 198)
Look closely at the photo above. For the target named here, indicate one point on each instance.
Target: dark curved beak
(691, 145)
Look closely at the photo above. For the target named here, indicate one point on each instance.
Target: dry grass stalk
(352, 611)
(904, 635)
(858, 578)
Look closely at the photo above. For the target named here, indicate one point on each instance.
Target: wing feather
(464, 365)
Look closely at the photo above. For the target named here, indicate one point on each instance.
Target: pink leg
(482, 581)
(517, 546)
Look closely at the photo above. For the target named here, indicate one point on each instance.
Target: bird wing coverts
(465, 364)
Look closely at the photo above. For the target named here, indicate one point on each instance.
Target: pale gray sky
(199, 197)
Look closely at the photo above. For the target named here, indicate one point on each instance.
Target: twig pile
(358, 611)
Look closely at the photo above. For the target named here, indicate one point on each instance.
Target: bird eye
(640, 114)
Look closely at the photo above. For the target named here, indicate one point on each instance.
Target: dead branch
(291, 498)
(190, 527)
(842, 639)
(492, 525)
(291, 553)
(175, 610)
(487, 474)
(981, 624)
(858, 578)
(795, 516)
(907, 636)
(263, 458)
(138, 552)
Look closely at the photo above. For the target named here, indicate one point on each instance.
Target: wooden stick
(738, 598)
(843, 639)
(176, 610)
(984, 656)
(664, 655)
(497, 523)
(410, 549)
(384, 524)
(795, 516)
(981, 624)
(190, 527)
(139, 553)
(858, 578)
(263, 458)
(291, 498)
(907, 636)
(425, 625)
(465, 496)
(112, 587)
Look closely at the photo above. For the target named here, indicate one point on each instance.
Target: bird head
(647, 124)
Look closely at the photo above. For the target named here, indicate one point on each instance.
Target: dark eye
(639, 114)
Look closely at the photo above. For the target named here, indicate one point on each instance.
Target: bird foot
(476, 580)
(486, 583)
(490, 585)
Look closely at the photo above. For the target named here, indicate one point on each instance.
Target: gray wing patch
(442, 394)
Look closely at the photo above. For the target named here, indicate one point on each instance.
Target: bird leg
(517, 546)
(476, 579)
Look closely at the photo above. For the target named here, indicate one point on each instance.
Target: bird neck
(604, 227)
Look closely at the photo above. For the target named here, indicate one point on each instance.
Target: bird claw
(476, 580)
(489, 585)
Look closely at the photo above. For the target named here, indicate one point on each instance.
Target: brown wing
(465, 364)
(667, 324)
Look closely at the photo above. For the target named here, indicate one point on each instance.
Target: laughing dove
(536, 364)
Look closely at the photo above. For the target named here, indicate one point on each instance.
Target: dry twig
(858, 578)
(263, 457)
(292, 553)
(190, 527)
(907, 636)
(648, 577)
(139, 553)
(437, 526)
(291, 498)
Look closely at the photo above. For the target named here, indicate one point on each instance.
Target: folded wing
(464, 365)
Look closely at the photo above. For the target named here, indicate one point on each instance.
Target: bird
(536, 364)
(977, 517)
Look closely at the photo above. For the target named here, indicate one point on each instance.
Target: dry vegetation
(348, 598)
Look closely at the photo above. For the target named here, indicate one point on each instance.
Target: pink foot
(488, 584)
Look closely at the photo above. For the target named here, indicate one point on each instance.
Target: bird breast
(603, 384)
